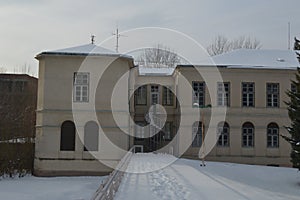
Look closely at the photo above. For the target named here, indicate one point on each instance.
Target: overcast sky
(29, 27)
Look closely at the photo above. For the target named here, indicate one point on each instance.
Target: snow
(58, 188)
(155, 178)
(87, 49)
(240, 58)
(255, 58)
(185, 179)
(155, 71)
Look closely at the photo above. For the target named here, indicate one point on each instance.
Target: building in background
(18, 97)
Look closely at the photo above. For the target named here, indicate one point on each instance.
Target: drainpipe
(129, 105)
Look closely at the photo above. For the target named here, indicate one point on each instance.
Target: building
(90, 98)
(67, 115)
(18, 96)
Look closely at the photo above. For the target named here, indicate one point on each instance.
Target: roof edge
(81, 54)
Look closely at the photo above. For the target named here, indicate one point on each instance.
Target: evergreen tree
(297, 47)
(294, 115)
(296, 44)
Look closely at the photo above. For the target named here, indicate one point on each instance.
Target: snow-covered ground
(185, 179)
(58, 188)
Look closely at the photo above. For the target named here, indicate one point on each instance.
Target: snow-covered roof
(87, 49)
(256, 58)
(155, 71)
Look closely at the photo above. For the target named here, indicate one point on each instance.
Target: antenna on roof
(118, 35)
(289, 35)
(93, 39)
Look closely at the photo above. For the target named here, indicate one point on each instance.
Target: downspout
(129, 106)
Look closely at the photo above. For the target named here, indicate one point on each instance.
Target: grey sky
(29, 27)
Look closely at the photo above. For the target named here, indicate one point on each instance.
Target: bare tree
(158, 56)
(24, 69)
(222, 44)
(2, 69)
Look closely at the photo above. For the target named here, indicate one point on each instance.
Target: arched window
(67, 136)
(91, 136)
(223, 133)
(197, 134)
(273, 135)
(248, 135)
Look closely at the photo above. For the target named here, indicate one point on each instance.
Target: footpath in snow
(185, 179)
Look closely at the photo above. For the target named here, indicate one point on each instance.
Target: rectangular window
(199, 93)
(81, 87)
(167, 96)
(272, 94)
(141, 95)
(154, 94)
(168, 130)
(247, 137)
(272, 137)
(223, 94)
(248, 92)
(223, 134)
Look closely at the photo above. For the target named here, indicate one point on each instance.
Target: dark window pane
(67, 137)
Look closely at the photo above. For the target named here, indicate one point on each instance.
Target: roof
(256, 58)
(155, 71)
(15, 76)
(85, 50)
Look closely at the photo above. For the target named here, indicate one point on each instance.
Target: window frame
(139, 91)
(221, 134)
(271, 127)
(248, 93)
(81, 87)
(272, 93)
(87, 140)
(168, 96)
(200, 92)
(247, 126)
(67, 139)
(225, 95)
(156, 92)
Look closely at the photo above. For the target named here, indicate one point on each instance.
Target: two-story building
(94, 104)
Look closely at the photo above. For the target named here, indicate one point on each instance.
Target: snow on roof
(155, 71)
(256, 58)
(87, 49)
